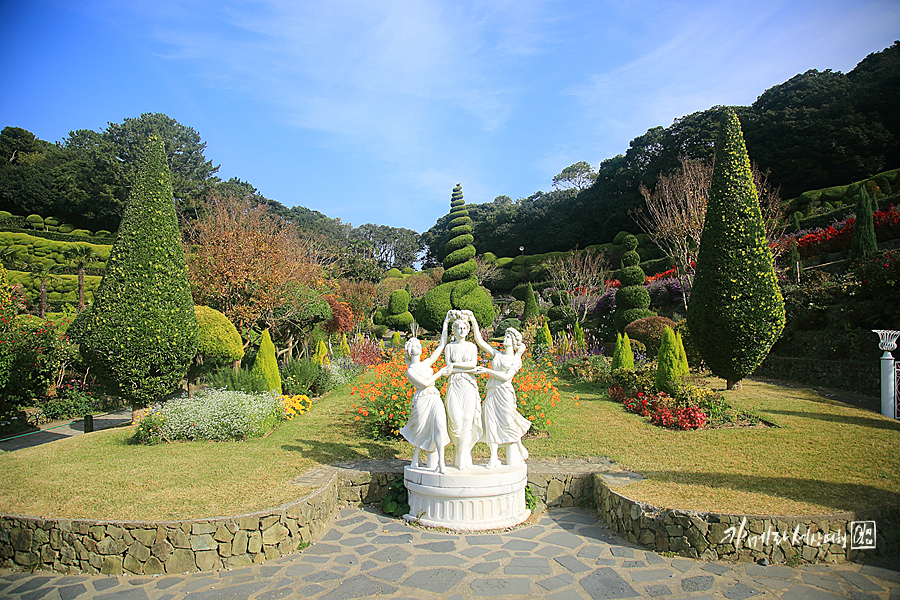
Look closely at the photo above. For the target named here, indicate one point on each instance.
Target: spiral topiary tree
(736, 311)
(141, 331)
(632, 299)
(459, 287)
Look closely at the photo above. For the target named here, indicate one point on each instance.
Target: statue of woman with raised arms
(463, 400)
(426, 428)
(502, 422)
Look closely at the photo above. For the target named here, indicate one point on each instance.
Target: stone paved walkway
(562, 554)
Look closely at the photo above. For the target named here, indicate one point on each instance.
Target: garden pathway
(58, 431)
(564, 553)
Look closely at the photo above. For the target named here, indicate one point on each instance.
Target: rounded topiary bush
(505, 324)
(36, 221)
(649, 331)
(393, 273)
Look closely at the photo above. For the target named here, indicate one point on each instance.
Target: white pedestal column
(475, 499)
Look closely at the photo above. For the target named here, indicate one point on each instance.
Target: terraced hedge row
(60, 288)
(32, 249)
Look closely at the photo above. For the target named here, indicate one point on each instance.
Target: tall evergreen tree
(864, 243)
(736, 311)
(459, 287)
(140, 334)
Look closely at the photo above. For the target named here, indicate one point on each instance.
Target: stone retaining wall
(862, 377)
(711, 536)
(147, 548)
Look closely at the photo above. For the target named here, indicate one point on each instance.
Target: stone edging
(146, 548)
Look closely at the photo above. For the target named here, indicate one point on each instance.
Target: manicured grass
(824, 457)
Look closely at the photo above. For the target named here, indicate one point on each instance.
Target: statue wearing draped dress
(426, 428)
(463, 400)
(502, 422)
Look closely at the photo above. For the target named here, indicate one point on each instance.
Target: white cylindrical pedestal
(888, 383)
(476, 499)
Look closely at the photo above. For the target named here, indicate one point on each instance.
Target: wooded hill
(816, 130)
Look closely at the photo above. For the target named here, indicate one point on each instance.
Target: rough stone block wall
(712, 536)
(854, 376)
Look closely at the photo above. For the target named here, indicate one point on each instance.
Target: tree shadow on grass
(845, 419)
(329, 453)
(841, 497)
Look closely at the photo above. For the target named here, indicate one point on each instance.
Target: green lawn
(824, 457)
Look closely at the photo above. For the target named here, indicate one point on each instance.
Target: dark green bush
(649, 331)
(736, 311)
(142, 331)
(242, 380)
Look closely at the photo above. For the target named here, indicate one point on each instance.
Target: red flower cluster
(660, 408)
(839, 237)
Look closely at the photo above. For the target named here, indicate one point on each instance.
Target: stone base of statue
(475, 499)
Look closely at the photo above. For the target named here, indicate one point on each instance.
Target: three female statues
(466, 421)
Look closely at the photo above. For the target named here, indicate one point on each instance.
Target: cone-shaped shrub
(459, 287)
(632, 299)
(623, 357)
(864, 243)
(345, 347)
(579, 335)
(141, 332)
(668, 370)
(266, 364)
(531, 308)
(683, 367)
(736, 311)
(321, 355)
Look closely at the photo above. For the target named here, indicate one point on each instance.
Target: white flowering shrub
(214, 415)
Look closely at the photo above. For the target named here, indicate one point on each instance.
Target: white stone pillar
(888, 342)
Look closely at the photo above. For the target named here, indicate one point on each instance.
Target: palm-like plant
(81, 255)
(41, 270)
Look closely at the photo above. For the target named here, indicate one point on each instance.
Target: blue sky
(371, 111)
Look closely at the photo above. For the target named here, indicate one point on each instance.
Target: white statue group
(466, 421)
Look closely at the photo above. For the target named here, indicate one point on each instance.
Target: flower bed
(692, 407)
(385, 400)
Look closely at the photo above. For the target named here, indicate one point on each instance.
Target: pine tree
(266, 364)
(668, 369)
(459, 287)
(140, 334)
(736, 311)
(865, 244)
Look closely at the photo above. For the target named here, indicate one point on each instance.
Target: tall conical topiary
(623, 356)
(736, 311)
(579, 335)
(459, 287)
(632, 299)
(265, 365)
(864, 243)
(684, 368)
(141, 331)
(668, 363)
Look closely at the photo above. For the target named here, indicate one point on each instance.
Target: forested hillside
(816, 130)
